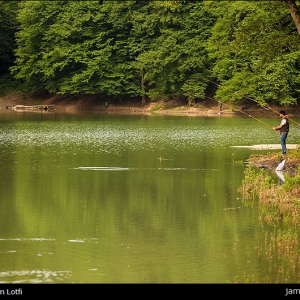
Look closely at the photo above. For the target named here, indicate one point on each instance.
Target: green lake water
(91, 198)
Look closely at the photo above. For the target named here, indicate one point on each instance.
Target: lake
(96, 198)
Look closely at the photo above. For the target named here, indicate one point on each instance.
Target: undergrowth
(278, 202)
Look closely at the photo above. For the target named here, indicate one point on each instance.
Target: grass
(278, 203)
(156, 107)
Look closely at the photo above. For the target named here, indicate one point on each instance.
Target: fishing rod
(268, 107)
(240, 111)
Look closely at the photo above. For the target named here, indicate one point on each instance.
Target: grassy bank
(279, 207)
(279, 202)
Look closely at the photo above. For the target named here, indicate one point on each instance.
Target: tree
(72, 47)
(8, 27)
(294, 11)
(159, 49)
(114, 48)
(256, 52)
(176, 57)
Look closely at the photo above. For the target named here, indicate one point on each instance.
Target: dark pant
(283, 137)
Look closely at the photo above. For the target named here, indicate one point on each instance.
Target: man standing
(283, 130)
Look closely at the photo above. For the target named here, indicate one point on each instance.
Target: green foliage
(240, 84)
(8, 84)
(254, 182)
(194, 87)
(254, 45)
(8, 26)
(291, 182)
(163, 49)
(176, 57)
(73, 47)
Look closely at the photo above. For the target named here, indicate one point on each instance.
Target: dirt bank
(271, 161)
(95, 103)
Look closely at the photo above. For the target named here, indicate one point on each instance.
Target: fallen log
(33, 107)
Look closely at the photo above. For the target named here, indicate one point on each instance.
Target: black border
(91, 291)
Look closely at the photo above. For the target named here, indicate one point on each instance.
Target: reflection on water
(128, 199)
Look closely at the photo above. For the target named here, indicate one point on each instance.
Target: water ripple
(112, 138)
(38, 276)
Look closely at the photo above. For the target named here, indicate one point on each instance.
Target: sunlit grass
(276, 201)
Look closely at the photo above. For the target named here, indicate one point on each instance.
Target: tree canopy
(8, 26)
(159, 49)
(255, 48)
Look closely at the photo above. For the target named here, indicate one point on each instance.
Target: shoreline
(95, 104)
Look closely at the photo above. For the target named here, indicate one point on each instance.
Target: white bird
(280, 166)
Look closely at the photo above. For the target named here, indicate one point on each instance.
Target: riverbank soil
(271, 161)
(96, 103)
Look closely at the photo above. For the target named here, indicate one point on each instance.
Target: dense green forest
(153, 49)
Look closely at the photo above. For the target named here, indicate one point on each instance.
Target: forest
(153, 50)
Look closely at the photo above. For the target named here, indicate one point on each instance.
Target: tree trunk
(143, 88)
(294, 11)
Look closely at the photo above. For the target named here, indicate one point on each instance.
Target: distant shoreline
(75, 104)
